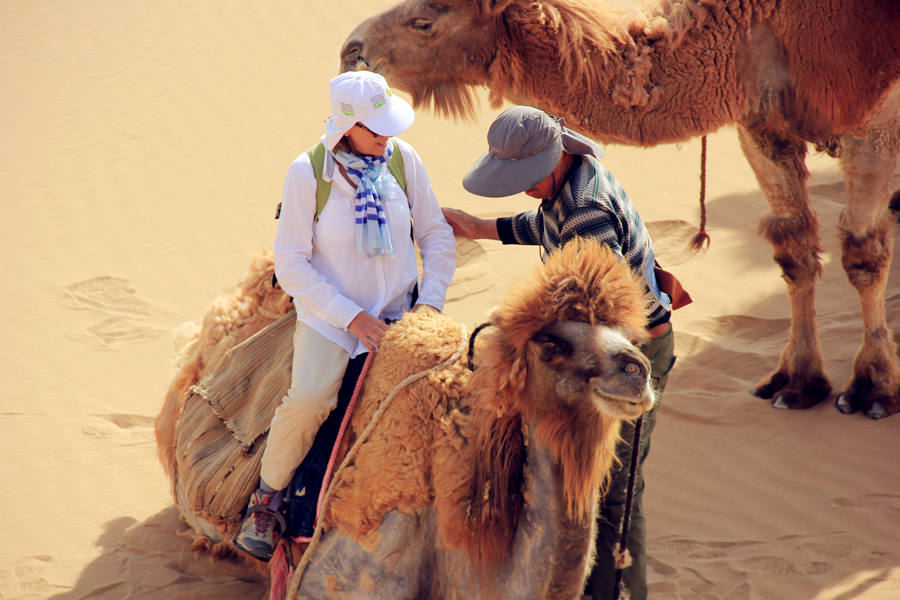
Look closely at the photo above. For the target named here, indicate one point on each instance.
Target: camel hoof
(844, 405)
(769, 387)
(876, 411)
(862, 394)
(796, 393)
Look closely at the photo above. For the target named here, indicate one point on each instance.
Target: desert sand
(143, 151)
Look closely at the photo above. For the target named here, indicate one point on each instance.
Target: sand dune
(143, 151)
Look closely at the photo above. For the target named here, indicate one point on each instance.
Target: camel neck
(652, 84)
(545, 529)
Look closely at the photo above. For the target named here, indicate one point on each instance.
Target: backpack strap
(396, 166)
(323, 188)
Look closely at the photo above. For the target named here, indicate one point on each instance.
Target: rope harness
(470, 357)
(297, 578)
(621, 552)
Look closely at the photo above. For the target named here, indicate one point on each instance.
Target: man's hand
(469, 226)
(368, 329)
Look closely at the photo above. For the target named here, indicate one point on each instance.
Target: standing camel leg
(778, 159)
(867, 242)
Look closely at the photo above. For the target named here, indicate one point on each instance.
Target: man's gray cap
(524, 146)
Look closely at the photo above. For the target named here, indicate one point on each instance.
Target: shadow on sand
(153, 560)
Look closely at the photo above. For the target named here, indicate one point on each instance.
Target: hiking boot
(261, 526)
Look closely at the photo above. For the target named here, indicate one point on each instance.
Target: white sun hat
(364, 97)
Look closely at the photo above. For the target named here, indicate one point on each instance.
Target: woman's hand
(469, 226)
(368, 329)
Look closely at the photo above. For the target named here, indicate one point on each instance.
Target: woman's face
(363, 140)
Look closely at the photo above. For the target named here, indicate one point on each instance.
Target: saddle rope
(297, 578)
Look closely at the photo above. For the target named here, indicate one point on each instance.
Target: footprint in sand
(27, 577)
(121, 316)
(128, 429)
(474, 273)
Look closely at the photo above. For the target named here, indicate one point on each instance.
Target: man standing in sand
(532, 152)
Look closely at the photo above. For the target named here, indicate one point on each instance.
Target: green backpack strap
(323, 188)
(396, 166)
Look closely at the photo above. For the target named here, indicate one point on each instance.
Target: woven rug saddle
(225, 424)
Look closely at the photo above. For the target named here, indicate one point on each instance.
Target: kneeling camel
(472, 483)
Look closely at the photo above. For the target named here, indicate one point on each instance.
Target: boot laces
(262, 522)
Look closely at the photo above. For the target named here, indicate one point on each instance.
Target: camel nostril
(351, 53)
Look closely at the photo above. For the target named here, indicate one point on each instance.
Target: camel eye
(552, 346)
(420, 24)
(632, 369)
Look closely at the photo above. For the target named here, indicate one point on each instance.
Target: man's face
(542, 189)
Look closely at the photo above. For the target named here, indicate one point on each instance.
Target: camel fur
(786, 72)
(486, 483)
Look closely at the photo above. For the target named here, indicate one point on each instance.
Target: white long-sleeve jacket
(317, 263)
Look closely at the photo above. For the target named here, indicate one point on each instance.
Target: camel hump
(415, 344)
(418, 341)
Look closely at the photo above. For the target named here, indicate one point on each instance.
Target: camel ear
(494, 7)
(515, 382)
(509, 387)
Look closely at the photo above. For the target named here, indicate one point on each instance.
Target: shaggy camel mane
(573, 32)
(580, 282)
(582, 35)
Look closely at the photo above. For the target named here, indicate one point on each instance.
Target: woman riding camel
(345, 251)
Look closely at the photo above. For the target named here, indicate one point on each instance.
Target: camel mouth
(623, 407)
(361, 63)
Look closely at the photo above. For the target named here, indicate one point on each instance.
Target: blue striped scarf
(371, 179)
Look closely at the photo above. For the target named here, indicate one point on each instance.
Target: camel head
(575, 365)
(520, 50)
(404, 44)
(561, 366)
(567, 340)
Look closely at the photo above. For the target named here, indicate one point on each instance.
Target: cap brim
(497, 177)
(395, 121)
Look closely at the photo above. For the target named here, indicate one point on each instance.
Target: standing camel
(786, 72)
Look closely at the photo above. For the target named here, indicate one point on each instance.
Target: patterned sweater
(592, 204)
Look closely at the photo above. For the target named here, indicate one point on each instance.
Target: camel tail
(702, 240)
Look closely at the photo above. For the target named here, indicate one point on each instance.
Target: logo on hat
(378, 101)
(347, 109)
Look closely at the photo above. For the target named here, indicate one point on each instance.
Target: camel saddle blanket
(225, 424)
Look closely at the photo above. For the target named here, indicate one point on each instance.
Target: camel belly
(400, 567)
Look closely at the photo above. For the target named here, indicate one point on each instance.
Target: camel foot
(795, 393)
(862, 394)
